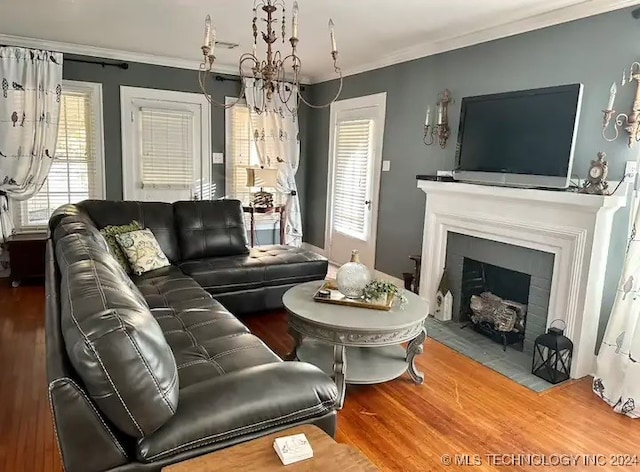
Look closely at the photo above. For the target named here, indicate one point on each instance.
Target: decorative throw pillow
(142, 250)
(110, 232)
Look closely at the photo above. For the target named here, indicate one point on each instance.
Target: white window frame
(263, 221)
(130, 96)
(95, 90)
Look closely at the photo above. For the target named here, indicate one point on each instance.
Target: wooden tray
(337, 298)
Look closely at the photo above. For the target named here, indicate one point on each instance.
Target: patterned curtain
(31, 82)
(275, 131)
(617, 378)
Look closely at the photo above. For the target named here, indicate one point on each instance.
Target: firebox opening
(494, 302)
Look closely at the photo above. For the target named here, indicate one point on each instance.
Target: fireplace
(516, 277)
(494, 302)
(573, 229)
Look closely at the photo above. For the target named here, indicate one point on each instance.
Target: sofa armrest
(85, 441)
(241, 403)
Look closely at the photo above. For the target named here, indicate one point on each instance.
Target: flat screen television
(520, 139)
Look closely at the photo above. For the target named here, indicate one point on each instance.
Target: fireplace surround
(575, 228)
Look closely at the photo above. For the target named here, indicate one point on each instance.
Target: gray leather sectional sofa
(149, 370)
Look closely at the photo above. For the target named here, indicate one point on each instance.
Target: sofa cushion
(156, 216)
(110, 232)
(169, 287)
(210, 228)
(142, 251)
(263, 266)
(243, 403)
(94, 244)
(112, 339)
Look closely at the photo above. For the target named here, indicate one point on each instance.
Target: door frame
(375, 100)
(128, 95)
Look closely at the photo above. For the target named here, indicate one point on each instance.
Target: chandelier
(278, 73)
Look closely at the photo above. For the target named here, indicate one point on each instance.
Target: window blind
(241, 156)
(244, 154)
(73, 174)
(166, 149)
(352, 157)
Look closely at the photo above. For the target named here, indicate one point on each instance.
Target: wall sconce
(631, 123)
(441, 129)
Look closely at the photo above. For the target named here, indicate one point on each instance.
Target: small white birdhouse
(444, 300)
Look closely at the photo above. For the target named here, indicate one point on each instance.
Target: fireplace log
(504, 315)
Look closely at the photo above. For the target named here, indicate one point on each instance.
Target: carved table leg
(340, 373)
(414, 349)
(297, 340)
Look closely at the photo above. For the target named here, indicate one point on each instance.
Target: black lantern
(552, 354)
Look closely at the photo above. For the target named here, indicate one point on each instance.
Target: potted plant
(382, 292)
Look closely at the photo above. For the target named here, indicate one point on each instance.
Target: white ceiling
(370, 33)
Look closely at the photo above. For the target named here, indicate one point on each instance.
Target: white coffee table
(356, 345)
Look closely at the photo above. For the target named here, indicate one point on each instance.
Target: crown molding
(114, 54)
(529, 20)
(118, 55)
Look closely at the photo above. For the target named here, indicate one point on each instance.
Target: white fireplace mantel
(576, 228)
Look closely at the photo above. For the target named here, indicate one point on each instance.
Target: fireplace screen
(494, 302)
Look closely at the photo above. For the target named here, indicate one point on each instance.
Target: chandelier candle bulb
(439, 113)
(332, 32)
(612, 96)
(427, 118)
(207, 31)
(294, 21)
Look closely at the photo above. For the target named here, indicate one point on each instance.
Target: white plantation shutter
(353, 155)
(76, 171)
(166, 149)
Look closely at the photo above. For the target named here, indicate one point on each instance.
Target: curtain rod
(119, 65)
(221, 78)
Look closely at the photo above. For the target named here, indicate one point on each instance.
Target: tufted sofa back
(112, 340)
(156, 216)
(210, 229)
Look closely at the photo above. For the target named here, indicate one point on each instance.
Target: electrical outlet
(386, 166)
(217, 158)
(630, 171)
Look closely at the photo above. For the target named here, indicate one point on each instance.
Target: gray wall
(164, 78)
(593, 51)
(147, 76)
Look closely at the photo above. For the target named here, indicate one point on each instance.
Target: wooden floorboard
(462, 408)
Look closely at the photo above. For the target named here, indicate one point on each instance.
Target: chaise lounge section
(151, 369)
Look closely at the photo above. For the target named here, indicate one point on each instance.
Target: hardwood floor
(463, 408)
(27, 442)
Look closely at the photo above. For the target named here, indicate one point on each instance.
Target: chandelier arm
(310, 105)
(203, 74)
(283, 80)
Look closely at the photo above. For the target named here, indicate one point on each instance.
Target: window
(77, 169)
(166, 145)
(242, 154)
